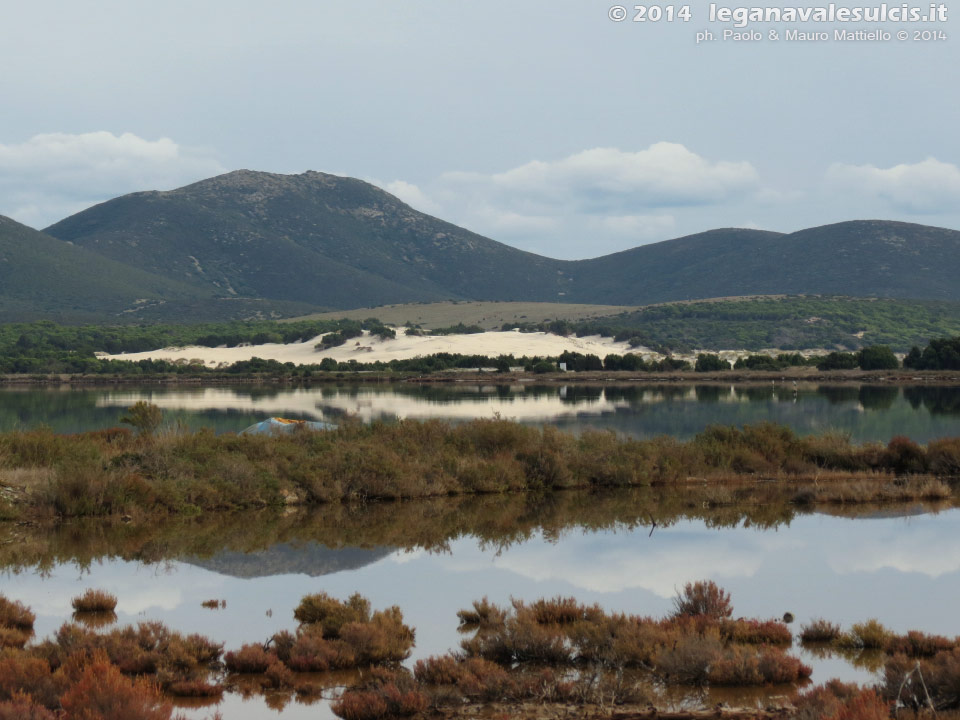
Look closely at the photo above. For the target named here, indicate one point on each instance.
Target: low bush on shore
(115, 471)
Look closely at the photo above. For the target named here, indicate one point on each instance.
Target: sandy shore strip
(368, 348)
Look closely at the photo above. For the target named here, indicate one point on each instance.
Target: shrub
(917, 644)
(904, 456)
(103, 693)
(710, 363)
(836, 700)
(703, 597)
(22, 707)
(688, 660)
(144, 417)
(756, 632)
(438, 670)
(877, 357)
(819, 630)
(869, 635)
(14, 614)
(360, 705)
(98, 601)
(248, 659)
(331, 614)
(13, 638)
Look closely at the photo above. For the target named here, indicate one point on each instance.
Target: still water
(628, 552)
(868, 413)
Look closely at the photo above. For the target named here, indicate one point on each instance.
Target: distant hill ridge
(249, 241)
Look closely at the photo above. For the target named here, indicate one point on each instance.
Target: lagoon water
(868, 413)
(628, 552)
(901, 565)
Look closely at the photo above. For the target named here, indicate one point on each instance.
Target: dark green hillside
(791, 323)
(864, 258)
(41, 276)
(312, 238)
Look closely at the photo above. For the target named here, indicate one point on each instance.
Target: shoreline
(724, 377)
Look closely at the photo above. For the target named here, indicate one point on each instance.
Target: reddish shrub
(483, 615)
(756, 632)
(917, 644)
(13, 638)
(103, 693)
(560, 611)
(360, 705)
(22, 707)
(819, 630)
(703, 598)
(21, 673)
(279, 675)
(865, 705)
(248, 659)
(331, 614)
(95, 601)
(16, 615)
(438, 670)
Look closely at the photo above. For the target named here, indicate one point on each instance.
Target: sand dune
(370, 349)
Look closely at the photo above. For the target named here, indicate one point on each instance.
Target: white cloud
(52, 175)
(588, 203)
(411, 195)
(604, 180)
(927, 187)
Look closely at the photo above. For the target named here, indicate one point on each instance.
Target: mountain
(41, 276)
(313, 238)
(312, 559)
(863, 258)
(299, 241)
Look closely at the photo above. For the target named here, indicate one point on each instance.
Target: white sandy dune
(371, 349)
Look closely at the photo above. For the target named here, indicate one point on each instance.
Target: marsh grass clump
(916, 644)
(385, 694)
(15, 615)
(250, 658)
(483, 614)
(331, 614)
(342, 634)
(819, 631)
(94, 601)
(680, 649)
(869, 635)
(836, 700)
(704, 598)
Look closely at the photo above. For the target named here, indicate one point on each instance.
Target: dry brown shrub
(14, 614)
(484, 614)
(819, 631)
(251, 658)
(95, 601)
(688, 660)
(331, 614)
(705, 598)
(103, 693)
(438, 670)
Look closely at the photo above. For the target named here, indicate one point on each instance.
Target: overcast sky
(540, 123)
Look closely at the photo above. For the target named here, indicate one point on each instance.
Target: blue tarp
(275, 425)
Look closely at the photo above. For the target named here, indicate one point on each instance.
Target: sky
(543, 124)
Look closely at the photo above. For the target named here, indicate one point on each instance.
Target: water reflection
(868, 413)
(628, 551)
